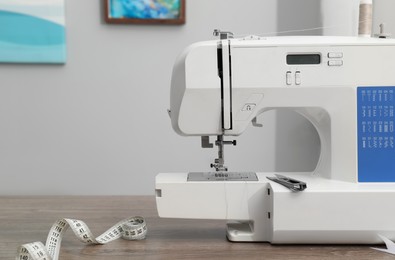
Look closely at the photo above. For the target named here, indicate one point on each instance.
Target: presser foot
(219, 163)
(218, 166)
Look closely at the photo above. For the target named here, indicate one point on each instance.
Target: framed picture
(32, 31)
(145, 11)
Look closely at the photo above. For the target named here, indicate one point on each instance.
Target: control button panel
(335, 63)
(298, 79)
(335, 55)
(335, 58)
(289, 78)
(293, 78)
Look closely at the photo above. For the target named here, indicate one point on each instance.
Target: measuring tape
(133, 228)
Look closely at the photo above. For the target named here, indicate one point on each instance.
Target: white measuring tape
(133, 228)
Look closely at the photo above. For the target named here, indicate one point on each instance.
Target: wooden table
(28, 219)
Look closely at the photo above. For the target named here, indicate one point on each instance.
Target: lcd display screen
(303, 59)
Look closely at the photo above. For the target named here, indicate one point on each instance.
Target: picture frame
(33, 31)
(145, 11)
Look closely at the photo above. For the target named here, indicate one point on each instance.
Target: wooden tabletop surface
(28, 219)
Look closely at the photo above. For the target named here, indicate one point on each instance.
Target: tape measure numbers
(133, 228)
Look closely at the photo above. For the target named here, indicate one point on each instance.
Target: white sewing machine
(343, 85)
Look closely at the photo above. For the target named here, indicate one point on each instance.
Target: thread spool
(365, 18)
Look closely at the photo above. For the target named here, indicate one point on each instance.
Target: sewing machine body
(343, 86)
(327, 211)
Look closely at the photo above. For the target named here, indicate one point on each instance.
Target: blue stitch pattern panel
(376, 148)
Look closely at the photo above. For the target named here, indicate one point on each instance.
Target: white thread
(226, 200)
(133, 228)
(365, 19)
(299, 30)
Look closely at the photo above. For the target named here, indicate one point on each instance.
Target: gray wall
(383, 12)
(98, 125)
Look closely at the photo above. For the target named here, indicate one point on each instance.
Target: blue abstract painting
(145, 9)
(32, 31)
